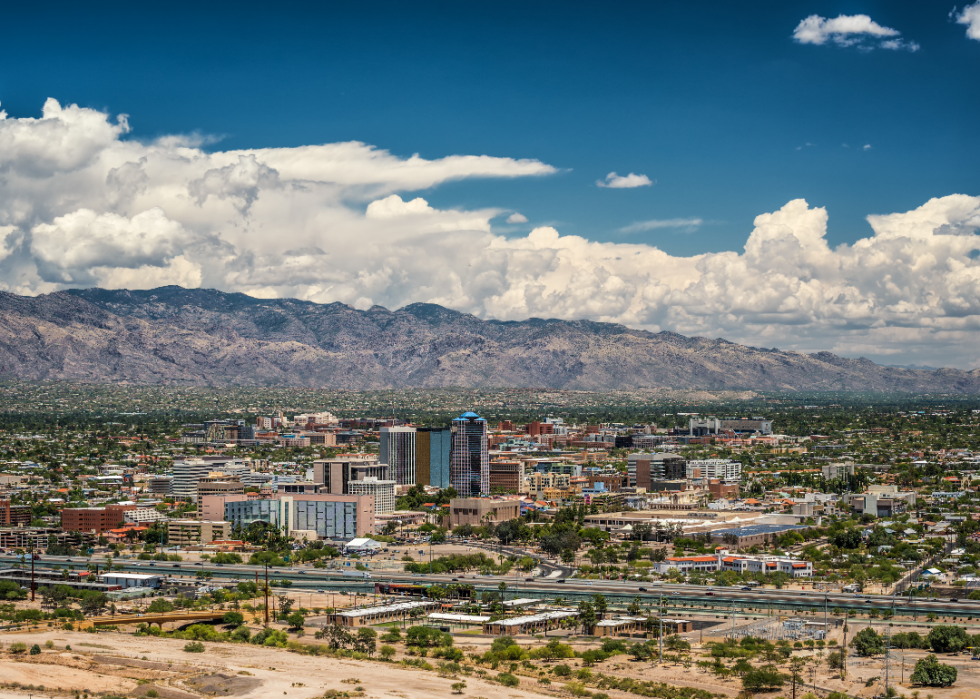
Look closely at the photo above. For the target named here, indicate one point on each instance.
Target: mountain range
(173, 335)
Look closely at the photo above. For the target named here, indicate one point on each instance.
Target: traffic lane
(239, 570)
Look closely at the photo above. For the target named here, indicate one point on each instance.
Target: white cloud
(516, 218)
(866, 146)
(850, 30)
(970, 16)
(614, 181)
(81, 206)
(640, 226)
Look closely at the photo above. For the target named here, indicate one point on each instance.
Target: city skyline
(788, 177)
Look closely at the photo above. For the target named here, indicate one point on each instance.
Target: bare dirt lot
(128, 665)
(267, 672)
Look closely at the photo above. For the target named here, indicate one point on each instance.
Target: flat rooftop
(755, 529)
(399, 607)
(543, 616)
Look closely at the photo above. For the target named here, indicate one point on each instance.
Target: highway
(572, 590)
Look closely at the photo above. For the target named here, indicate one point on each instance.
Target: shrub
(387, 652)
(160, 605)
(152, 693)
(18, 647)
(762, 679)
(194, 647)
(507, 679)
(49, 644)
(929, 672)
(35, 649)
(458, 687)
(947, 638)
(233, 618)
(563, 670)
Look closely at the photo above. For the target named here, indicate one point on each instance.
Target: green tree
(929, 672)
(586, 616)
(763, 679)
(366, 640)
(233, 618)
(947, 638)
(867, 642)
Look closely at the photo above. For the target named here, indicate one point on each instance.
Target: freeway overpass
(616, 592)
(159, 619)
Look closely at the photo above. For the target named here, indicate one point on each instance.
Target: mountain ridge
(173, 335)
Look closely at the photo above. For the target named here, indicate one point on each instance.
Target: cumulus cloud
(81, 205)
(517, 218)
(641, 226)
(970, 16)
(850, 30)
(614, 181)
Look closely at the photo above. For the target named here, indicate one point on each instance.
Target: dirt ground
(271, 672)
(128, 665)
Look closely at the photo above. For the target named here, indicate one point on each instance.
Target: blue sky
(372, 153)
(711, 100)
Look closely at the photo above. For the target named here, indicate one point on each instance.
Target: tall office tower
(398, 451)
(186, 474)
(432, 456)
(468, 459)
(336, 474)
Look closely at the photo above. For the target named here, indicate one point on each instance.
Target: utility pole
(888, 643)
(32, 570)
(661, 635)
(843, 653)
(266, 595)
(733, 618)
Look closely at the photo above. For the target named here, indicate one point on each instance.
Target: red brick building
(719, 490)
(14, 515)
(93, 519)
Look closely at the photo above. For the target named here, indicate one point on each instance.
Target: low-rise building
(191, 532)
(144, 515)
(132, 580)
(525, 625)
(736, 563)
(382, 614)
(477, 511)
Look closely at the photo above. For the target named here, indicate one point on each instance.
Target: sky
(791, 175)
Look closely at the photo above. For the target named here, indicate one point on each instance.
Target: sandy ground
(248, 671)
(278, 672)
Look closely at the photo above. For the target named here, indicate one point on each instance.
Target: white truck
(356, 574)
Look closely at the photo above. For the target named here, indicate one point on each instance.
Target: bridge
(159, 618)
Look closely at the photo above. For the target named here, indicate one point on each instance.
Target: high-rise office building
(432, 446)
(186, 474)
(469, 459)
(336, 474)
(398, 451)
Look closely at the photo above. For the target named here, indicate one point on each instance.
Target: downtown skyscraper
(469, 459)
(398, 451)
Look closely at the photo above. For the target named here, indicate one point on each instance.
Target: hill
(173, 335)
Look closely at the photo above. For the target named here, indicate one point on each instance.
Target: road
(617, 592)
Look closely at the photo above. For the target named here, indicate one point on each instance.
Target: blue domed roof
(470, 415)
